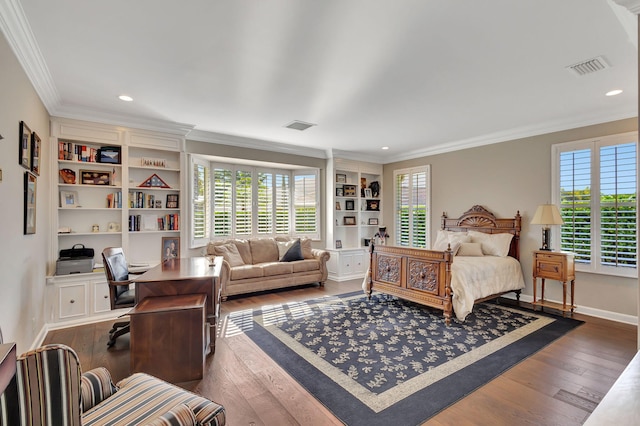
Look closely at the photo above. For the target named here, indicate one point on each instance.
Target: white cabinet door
(72, 300)
(346, 264)
(101, 302)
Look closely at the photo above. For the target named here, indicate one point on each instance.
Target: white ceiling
(418, 76)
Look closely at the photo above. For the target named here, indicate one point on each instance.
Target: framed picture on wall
(36, 146)
(24, 151)
(30, 189)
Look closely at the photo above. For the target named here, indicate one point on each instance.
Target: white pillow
(470, 249)
(446, 238)
(493, 244)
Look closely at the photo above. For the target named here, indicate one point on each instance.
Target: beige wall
(24, 257)
(512, 176)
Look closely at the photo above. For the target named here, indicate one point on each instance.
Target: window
(250, 201)
(597, 193)
(200, 198)
(412, 206)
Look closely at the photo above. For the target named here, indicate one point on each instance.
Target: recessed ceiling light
(299, 125)
(125, 98)
(614, 92)
(385, 147)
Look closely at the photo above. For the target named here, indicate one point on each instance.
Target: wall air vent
(589, 66)
(299, 125)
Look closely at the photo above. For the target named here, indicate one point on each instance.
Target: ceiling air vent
(299, 125)
(589, 66)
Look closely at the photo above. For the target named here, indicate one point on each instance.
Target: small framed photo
(109, 154)
(95, 177)
(349, 220)
(338, 205)
(36, 146)
(68, 199)
(339, 192)
(30, 189)
(368, 193)
(349, 190)
(173, 201)
(349, 205)
(373, 221)
(340, 178)
(373, 205)
(170, 248)
(338, 244)
(24, 151)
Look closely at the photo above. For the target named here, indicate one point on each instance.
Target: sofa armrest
(96, 386)
(323, 257)
(225, 276)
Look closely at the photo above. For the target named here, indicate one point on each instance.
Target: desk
(191, 275)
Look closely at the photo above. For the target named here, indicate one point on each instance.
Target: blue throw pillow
(294, 253)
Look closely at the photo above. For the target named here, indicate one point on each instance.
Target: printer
(76, 260)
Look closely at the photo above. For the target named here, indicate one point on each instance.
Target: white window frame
(426, 169)
(199, 242)
(594, 144)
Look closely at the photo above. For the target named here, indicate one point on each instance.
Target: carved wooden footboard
(424, 276)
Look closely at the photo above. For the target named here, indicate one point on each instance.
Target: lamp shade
(547, 214)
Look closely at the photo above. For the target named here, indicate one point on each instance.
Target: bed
(475, 258)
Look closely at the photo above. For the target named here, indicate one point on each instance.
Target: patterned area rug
(385, 360)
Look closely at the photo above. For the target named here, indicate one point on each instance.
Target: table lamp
(547, 215)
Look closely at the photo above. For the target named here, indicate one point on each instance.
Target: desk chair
(120, 295)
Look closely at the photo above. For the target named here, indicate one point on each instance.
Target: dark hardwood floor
(560, 385)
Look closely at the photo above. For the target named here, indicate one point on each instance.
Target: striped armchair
(51, 390)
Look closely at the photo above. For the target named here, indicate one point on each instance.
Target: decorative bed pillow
(230, 253)
(470, 249)
(290, 251)
(493, 244)
(454, 239)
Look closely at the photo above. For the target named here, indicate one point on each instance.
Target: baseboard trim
(107, 316)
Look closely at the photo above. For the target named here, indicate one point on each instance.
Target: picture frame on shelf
(154, 181)
(173, 201)
(373, 205)
(349, 220)
(95, 177)
(109, 155)
(368, 193)
(349, 205)
(24, 146)
(349, 190)
(339, 192)
(36, 146)
(341, 178)
(30, 191)
(338, 244)
(373, 221)
(170, 248)
(338, 205)
(69, 199)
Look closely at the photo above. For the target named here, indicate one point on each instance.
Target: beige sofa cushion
(305, 245)
(241, 245)
(245, 271)
(306, 265)
(230, 253)
(263, 250)
(275, 268)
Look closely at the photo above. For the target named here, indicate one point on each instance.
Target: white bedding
(474, 277)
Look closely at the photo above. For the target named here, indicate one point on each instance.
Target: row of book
(146, 222)
(77, 152)
(141, 200)
(114, 200)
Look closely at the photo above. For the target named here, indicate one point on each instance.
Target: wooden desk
(191, 275)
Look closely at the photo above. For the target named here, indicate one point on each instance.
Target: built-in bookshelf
(111, 187)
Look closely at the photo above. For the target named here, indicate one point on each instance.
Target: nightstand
(554, 265)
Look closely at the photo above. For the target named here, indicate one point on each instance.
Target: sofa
(259, 264)
(49, 389)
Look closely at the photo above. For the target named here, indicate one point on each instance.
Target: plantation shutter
(243, 207)
(265, 203)
(618, 205)
(222, 203)
(306, 204)
(201, 196)
(575, 203)
(412, 200)
(282, 203)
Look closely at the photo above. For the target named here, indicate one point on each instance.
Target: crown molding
(17, 31)
(632, 6)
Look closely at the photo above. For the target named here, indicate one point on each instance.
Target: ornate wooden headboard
(477, 218)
